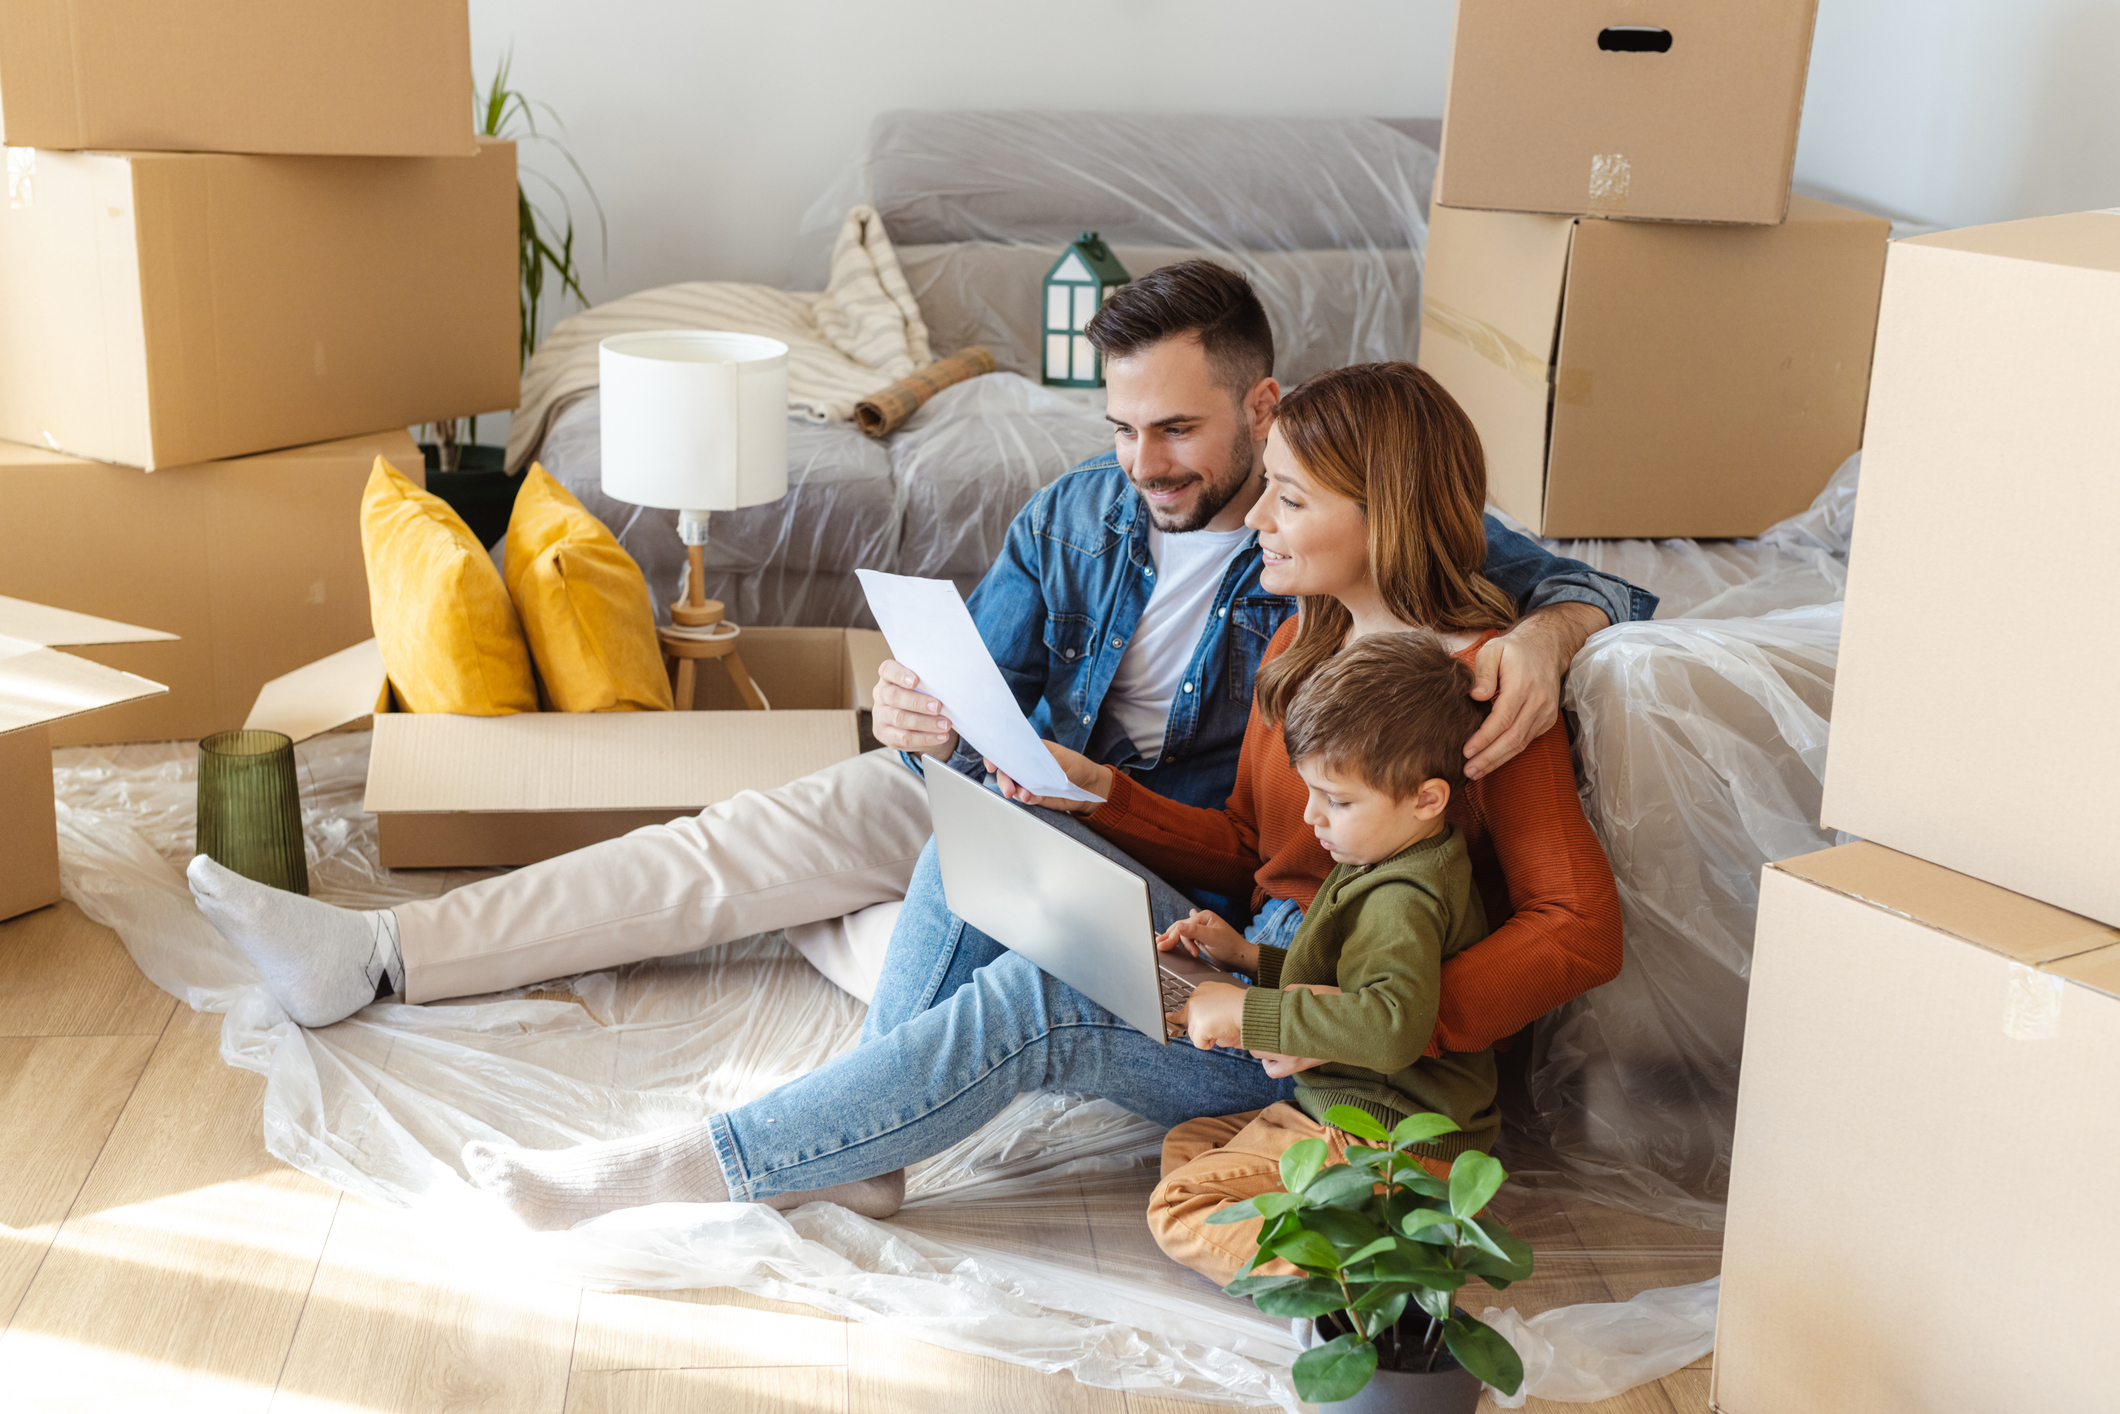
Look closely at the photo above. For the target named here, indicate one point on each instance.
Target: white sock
(322, 963)
(557, 1188)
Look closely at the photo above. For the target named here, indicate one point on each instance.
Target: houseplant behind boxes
(1381, 1247)
(459, 470)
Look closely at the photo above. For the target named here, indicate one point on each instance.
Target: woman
(1372, 518)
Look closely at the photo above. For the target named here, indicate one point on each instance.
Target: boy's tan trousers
(811, 851)
(1211, 1163)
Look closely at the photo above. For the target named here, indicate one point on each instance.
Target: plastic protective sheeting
(993, 1254)
(1700, 750)
(1328, 218)
(1582, 1354)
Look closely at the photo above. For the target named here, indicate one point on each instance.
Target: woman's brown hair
(1387, 437)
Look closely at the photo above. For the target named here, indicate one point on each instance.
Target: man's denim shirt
(1062, 601)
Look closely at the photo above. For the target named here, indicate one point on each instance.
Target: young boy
(1375, 736)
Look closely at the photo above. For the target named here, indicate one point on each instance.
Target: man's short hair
(1393, 709)
(1195, 297)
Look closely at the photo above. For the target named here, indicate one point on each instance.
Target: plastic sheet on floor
(1025, 1242)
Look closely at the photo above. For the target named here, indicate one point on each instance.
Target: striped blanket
(860, 335)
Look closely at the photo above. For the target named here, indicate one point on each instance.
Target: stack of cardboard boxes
(1922, 1212)
(1652, 335)
(238, 240)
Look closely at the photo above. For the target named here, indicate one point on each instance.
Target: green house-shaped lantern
(1086, 275)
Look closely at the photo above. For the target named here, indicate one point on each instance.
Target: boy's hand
(1202, 932)
(1280, 1067)
(1213, 1016)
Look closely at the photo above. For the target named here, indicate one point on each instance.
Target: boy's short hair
(1391, 708)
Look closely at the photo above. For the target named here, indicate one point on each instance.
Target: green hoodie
(1380, 932)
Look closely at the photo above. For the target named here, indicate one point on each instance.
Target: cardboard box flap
(432, 762)
(322, 696)
(2099, 970)
(40, 685)
(63, 628)
(1982, 914)
(2089, 240)
(866, 651)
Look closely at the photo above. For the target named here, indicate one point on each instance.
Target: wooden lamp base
(682, 653)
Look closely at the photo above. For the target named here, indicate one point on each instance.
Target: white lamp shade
(694, 420)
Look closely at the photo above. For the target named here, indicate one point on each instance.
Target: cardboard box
(158, 309)
(1921, 1212)
(1673, 110)
(255, 563)
(384, 78)
(450, 792)
(1979, 666)
(39, 686)
(1630, 378)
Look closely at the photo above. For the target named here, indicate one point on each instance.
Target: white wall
(708, 127)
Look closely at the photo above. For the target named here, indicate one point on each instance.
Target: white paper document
(932, 633)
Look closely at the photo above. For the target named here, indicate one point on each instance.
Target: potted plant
(459, 469)
(1381, 1247)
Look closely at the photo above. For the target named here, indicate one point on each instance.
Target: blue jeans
(959, 1028)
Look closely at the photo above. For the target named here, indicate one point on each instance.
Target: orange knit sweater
(1543, 877)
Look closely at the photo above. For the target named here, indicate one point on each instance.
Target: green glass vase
(250, 809)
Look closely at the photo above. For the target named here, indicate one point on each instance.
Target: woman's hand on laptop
(1080, 771)
(1205, 934)
(907, 719)
(1212, 1016)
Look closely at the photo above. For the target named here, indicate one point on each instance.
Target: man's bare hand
(1520, 673)
(907, 718)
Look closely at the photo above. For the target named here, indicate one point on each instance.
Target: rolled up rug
(881, 414)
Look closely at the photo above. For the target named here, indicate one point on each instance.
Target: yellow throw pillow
(448, 633)
(584, 604)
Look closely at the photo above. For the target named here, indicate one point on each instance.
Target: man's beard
(1214, 496)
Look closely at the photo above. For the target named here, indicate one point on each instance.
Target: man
(1154, 677)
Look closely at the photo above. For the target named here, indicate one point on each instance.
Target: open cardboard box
(1921, 1207)
(253, 566)
(39, 686)
(1638, 378)
(457, 792)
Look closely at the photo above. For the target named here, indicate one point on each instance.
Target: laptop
(1081, 917)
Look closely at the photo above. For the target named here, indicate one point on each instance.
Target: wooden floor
(154, 1256)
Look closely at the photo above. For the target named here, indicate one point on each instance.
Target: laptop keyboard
(1176, 991)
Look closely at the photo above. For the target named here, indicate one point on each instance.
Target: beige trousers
(840, 840)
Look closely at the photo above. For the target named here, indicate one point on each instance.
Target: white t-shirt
(1189, 569)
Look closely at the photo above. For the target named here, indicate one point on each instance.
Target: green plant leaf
(1343, 1229)
(1360, 1123)
(1420, 1128)
(1253, 1284)
(1382, 1307)
(1313, 1297)
(1300, 1163)
(1308, 1250)
(1266, 1205)
(1511, 1264)
(1435, 1301)
(1374, 1249)
(1474, 1179)
(1482, 1241)
(1431, 1225)
(1340, 1186)
(1421, 1181)
(1362, 1156)
(1335, 1370)
(1481, 1349)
